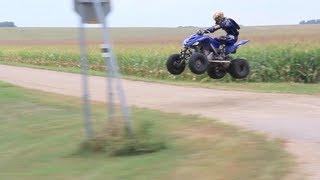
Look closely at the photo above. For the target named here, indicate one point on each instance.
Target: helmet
(218, 16)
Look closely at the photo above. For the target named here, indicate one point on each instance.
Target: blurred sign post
(95, 12)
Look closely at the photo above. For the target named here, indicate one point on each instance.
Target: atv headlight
(195, 44)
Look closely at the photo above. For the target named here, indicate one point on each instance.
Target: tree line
(7, 24)
(313, 21)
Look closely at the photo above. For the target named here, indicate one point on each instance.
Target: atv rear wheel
(175, 64)
(216, 71)
(239, 68)
(198, 63)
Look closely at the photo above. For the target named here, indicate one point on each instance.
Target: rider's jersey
(228, 25)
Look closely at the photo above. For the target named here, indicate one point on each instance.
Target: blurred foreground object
(87, 11)
(94, 12)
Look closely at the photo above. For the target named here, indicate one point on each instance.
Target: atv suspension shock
(185, 53)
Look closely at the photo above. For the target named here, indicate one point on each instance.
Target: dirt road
(293, 118)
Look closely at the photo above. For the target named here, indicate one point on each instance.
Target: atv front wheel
(239, 68)
(198, 63)
(175, 64)
(216, 71)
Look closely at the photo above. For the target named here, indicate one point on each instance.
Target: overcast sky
(162, 13)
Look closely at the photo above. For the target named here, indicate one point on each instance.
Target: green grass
(40, 133)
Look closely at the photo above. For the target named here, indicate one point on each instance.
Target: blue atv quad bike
(206, 54)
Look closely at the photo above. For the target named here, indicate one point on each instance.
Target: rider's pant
(227, 40)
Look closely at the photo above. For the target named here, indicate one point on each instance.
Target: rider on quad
(228, 25)
(210, 54)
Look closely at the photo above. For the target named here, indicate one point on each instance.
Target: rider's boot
(217, 51)
(210, 56)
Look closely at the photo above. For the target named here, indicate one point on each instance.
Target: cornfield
(273, 62)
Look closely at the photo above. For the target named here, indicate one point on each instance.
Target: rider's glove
(200, 32)
(206, 31)
(223, 38)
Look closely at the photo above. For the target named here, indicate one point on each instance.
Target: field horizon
(153, 35)
(276, 53)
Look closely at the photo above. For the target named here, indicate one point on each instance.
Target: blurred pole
(94, 12)
(113, 67)
(85, 82)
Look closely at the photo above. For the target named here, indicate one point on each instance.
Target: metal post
(85, 82)
(113, 67)
(94, 12)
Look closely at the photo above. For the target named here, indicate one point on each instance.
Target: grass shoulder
(40, 133)
(293, 88)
